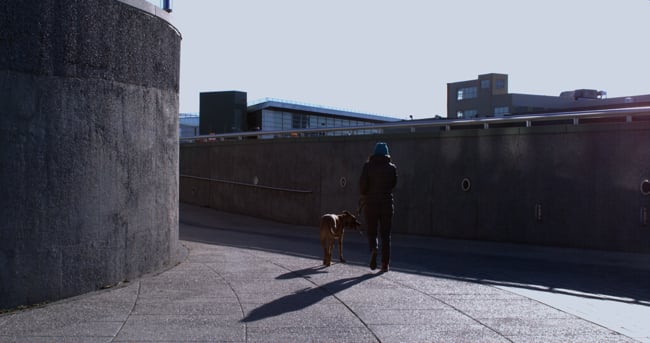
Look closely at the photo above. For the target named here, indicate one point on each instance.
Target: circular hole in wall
(645, 187)
(343, 182)
(466, 185)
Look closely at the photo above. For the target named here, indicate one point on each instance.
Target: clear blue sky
(396, 57)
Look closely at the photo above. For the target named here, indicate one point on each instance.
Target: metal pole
(167, 5)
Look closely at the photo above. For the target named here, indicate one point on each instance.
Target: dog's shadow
(304, 298)
(303, 273)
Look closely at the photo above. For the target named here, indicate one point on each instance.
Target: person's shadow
(304, 298)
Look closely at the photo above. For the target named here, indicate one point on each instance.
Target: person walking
(378, 178)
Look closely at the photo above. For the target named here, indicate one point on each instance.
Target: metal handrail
(230, 182)
(447, 124)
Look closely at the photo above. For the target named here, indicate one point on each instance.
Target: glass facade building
(281, 115)
(278, 120)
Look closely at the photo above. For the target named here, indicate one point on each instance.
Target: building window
(299, 121)
(485, 84)
(285, 123)
(467, 93)
(500, 83)
(500, 111)
(467, 114)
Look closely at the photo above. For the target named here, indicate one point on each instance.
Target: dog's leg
(324, 255)
(330, 244)
(323, 244)
(327, 255)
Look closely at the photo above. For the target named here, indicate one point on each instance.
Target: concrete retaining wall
(563, 185)
(88, 146)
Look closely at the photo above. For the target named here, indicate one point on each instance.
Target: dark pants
(379, 218)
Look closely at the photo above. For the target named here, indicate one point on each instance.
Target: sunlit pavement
(250, 280)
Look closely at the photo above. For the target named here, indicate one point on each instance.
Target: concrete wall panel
(584, 179)
(88, 147)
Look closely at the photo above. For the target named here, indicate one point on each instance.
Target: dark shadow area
(268, 240)
(303, 273)
(303, 299)
(576, 279)
(615, 283)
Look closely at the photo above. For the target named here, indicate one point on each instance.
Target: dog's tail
(332, 224)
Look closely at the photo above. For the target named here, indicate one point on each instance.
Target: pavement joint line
(496, 286)
(135, 302)
(334, 296)
(451, 306)
(293, 272)
(567, 313)
(241, 307)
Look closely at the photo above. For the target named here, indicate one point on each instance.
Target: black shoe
(373, 259)
(384, 267)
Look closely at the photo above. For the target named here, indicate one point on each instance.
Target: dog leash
(360, 205)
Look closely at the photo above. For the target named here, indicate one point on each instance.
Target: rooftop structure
(488, 96)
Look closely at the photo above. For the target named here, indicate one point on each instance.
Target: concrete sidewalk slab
(250, 280)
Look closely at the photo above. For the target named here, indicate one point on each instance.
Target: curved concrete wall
(88, 146)
(563, 185)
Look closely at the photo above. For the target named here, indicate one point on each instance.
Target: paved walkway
(250, 280)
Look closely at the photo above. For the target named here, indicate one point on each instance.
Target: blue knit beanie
(381, 148)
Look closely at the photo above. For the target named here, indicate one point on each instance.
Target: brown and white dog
(332, 227)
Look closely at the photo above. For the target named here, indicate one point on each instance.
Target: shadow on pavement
(303, 299)
(587, 280)
(576, 279)
(303, 273)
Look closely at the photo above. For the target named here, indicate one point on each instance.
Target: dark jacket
(378, 178)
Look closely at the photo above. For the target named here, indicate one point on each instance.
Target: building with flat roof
(228, 111)
(188, 124)
(279, 115)
(487, 96)
(222, 112)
